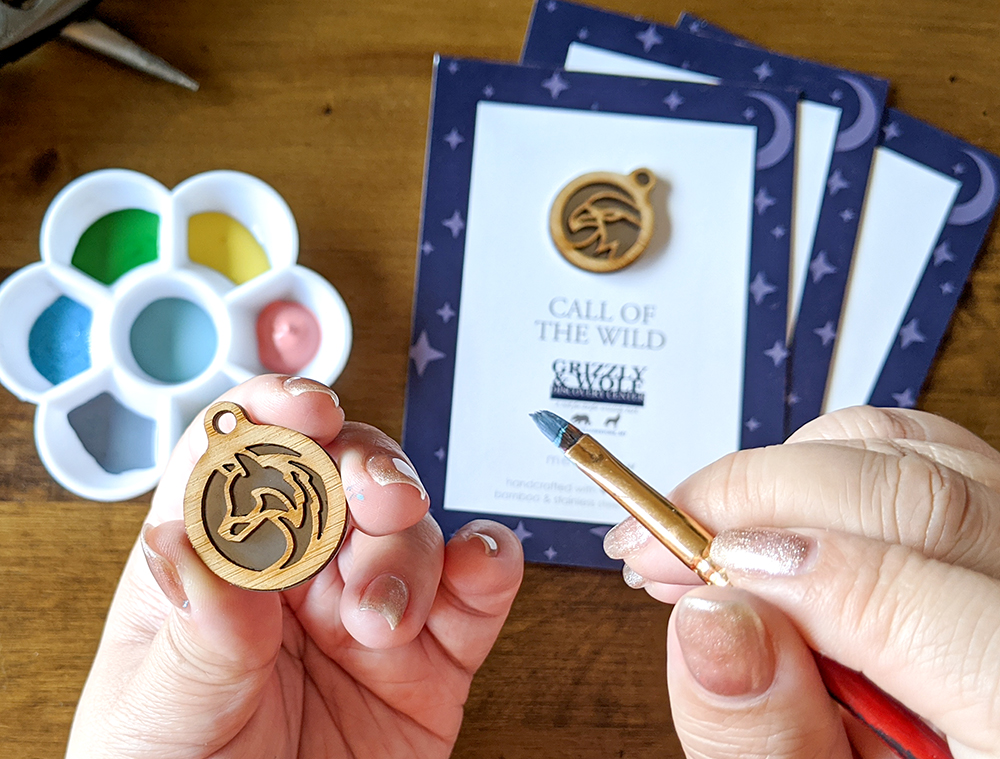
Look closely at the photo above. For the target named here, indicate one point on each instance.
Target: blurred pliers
(26, 24)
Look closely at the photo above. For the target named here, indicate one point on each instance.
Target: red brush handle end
(900, 728)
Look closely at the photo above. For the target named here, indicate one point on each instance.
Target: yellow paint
(222, 243)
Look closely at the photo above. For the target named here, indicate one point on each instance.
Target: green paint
(117, 243)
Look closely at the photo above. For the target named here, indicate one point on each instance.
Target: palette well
(146, 305)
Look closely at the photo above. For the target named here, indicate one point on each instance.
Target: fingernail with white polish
(725, 646)
(387, 469)
(632, 578)
(163, 570)
(300, 386)
(625, 538)
(388, 595)
(763, 552)
(488, 542)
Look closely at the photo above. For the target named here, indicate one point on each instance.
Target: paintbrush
(901, 729)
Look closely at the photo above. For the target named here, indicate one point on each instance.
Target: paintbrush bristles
(551, 425)
(557, 429)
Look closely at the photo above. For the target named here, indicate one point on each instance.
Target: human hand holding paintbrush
(870, 536)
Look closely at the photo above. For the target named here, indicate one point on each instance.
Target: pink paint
(288, 337)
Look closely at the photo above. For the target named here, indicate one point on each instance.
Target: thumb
(743, 684)
(207, 665)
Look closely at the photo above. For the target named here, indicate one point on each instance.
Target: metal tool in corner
(27, 24)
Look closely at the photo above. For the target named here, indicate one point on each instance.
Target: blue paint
(59, 340)
(119, 439)
(173, 340)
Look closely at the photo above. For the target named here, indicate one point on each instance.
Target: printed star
(453, 67)
(749, 113)
(763, 71)
(760, 288)
(847, 215)
(550, 6)
(910, 333)
(943, 254)
(752, 424)
(600, 531)
(488, 91)
(453, 138)
(891, 130)
(763, 201)
(522, 532)
(695, 26)
(836, 183)
(439, 454)
(446, 312)
(958, 169)
(550, 553)
(426, 248)
(836, 96)
(826, 333)
(595, 106)
(673, 100)
(423, 353)
(792, 399)
(778, 232)
(649, 38)
(905, 399)
(777, 353)
(820, 267)
(947, 288)
(455, 224)
(582, 34)
(555, 84)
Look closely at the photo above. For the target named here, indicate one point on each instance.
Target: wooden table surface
(327, 102)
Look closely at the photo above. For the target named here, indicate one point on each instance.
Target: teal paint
(173, 340)
(119, 439)
(59, 340)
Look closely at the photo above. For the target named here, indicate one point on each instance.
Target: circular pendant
(603, 221)
(264, 507)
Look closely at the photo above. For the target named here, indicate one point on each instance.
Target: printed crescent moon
(781, 141)
(865, 124)
(979, 204)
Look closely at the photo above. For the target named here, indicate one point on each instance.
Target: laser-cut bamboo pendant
(264, 507)
(603, 221)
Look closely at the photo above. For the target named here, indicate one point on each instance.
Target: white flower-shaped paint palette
(146, 305)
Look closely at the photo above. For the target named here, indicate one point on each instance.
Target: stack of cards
(800, 249)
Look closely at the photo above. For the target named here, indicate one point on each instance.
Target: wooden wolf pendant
(602, 221)
(264, 507)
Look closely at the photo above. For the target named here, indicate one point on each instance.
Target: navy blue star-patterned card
(836, 137)
(672, 361)
(929, 204)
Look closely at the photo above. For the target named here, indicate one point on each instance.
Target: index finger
(867, 422)
(383, 489)
(900, 497)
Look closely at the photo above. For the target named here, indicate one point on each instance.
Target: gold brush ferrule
(685, 538)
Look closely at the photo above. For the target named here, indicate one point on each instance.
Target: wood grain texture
(264, 506)
(327, 101)
(603, 221)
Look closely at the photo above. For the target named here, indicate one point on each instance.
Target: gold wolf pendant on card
(603, 221)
